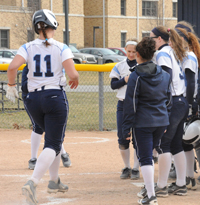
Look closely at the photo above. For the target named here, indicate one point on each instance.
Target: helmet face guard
(47, 17)
(192, 132)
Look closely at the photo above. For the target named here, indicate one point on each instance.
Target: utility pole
(66, 22)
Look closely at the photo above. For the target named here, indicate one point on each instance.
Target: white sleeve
(22, 51)
(191, 63)
(114, 73)
(66, 53)
(164, 59)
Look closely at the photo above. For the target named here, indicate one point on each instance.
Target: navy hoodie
(148, 98)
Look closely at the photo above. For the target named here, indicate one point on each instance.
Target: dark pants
(36, 128)
(172, 139)
(146, 139)
(49, 109)
(122, 142)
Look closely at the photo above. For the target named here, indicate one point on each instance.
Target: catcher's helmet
(45, 16)
(192, 132)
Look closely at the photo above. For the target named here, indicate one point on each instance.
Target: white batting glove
(12, 93)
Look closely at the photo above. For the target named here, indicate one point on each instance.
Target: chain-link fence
(92, 106)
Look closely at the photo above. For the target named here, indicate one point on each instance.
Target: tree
(24, 21)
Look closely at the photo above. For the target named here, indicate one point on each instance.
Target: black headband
(184, 27)
(182, 34)
(159, 33)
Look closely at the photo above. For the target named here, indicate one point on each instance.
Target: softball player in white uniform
(171, 143)
(37, 132)
(119, 78)
(190, 66)
(46, 101)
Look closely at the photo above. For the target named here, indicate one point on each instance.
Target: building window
(146, 34)
(123, 40)
(175, 5)
(30, 35)
(34, 4)
(4, 38)
(123, 7)
(149, 8)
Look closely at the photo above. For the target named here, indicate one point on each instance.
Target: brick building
(111, 21)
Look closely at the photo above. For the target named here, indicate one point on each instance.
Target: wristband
(11, 84)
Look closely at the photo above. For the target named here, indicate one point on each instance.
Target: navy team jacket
(148, 99)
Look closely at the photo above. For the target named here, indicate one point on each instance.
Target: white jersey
(44, 63)
(120, 70)
(165, 57)
(191, 63)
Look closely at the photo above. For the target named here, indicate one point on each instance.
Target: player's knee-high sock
(136, 161)
(35, 143)
(126, 157)
(180, 165)
(164, 165)
(148, 176)
(190, 163)
(43, 163)
(63, 149)
(53, 169)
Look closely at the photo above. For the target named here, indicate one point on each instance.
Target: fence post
(18, 73)
(101, 95)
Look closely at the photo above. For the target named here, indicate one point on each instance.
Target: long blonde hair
(191, 43)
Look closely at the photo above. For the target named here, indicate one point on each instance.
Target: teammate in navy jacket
(146, 108)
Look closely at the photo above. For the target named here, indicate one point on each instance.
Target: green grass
(83, 107)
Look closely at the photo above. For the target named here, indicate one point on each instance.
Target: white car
(6, 55)
(5, 60)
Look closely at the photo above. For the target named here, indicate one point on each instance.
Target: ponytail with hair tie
(168, 30)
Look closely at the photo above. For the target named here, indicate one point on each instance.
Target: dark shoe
(54, 187)
(135, 174)
(177, 190)
(126, 173)
(191, 183)
(32, 163)
(142, 193)
(161, 192)
(66, 160)
(155, 159)
(29, 190)
(198, 180)
(172, 173)
(146, 200)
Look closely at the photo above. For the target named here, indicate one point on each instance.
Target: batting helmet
(192, 132)
(45, 16)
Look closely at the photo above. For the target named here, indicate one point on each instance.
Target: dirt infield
(93, 178)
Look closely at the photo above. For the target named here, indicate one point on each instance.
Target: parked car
(119, 51)
(82, 58)
(108, 55)
(5, 60)
(6, 55)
